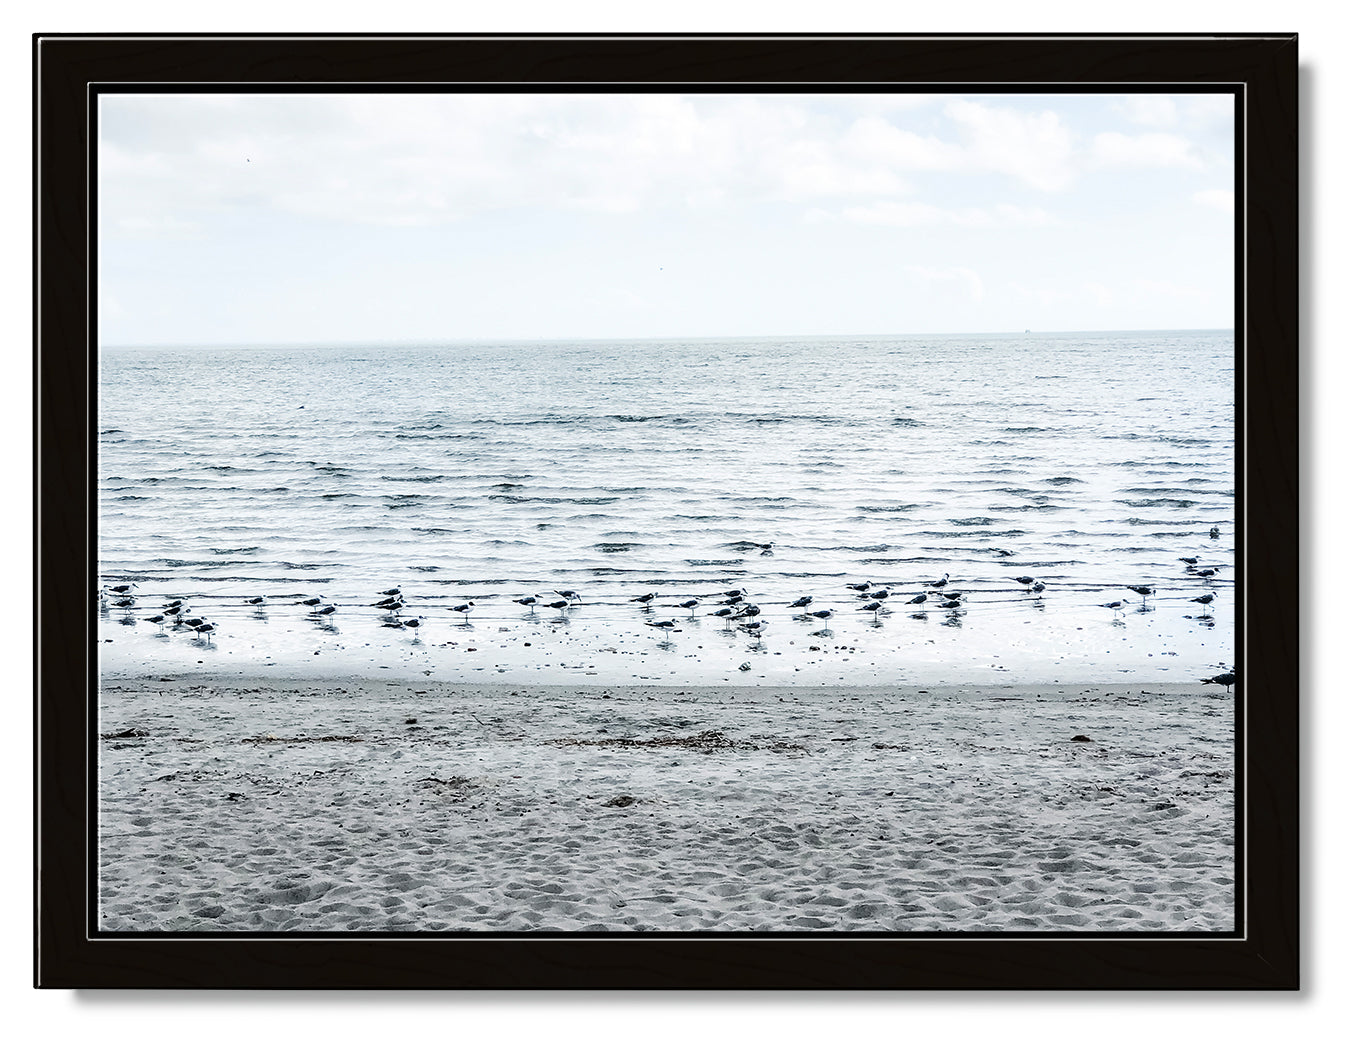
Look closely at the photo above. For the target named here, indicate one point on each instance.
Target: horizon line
(468, 340)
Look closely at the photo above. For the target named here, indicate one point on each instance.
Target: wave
(1179, 504)
(579, 500)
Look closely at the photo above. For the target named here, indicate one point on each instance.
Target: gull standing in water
(463, 609)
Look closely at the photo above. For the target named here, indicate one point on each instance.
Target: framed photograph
(667, 512)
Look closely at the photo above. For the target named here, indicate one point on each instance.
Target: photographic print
(558, 515)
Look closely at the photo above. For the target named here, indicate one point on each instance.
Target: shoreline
(350, 804)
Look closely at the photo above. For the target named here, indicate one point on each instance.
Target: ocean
(489, 472)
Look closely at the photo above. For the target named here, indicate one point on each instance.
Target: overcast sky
(352, 218)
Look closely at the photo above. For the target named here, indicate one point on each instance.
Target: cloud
(917, 213)
(1150, 149)
(1157, 111)
(948, 274)
(430, 159)
(172, 165)
(1034, 147)
(1221, 199)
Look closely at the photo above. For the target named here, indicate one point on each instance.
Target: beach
(355, 803)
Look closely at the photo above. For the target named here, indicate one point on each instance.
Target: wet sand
(247, 803)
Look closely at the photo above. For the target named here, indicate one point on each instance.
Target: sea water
(788, 467)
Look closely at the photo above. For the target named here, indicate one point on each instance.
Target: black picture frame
(70, 70)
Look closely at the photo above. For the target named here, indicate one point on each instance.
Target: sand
(355, 804)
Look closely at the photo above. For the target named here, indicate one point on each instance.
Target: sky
(256, 219)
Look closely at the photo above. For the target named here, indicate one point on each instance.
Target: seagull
(122, 588)
(690, 604)
(918, 599)
(937, 585)
(802, 602)
(875, 609)
(561, 603)
(311, 601)
(463, 609)
(747, 610)
(324, 610)
(665, 625)
(1025, 581)
(194, 623)
(571, 596)
(645, 599)
(821, 614)
(880, 595)
(125, 603)
(204, 628)
(1143, 592)
(737, 595)
(528, 601)
(725, 612)
(158, 621)
(1206, 573)
(415, 623)
(1113, 605)
(389, 603)
(1204, 599)
(754, 627)
(1037, 587)
(1189, 561)
(859, 586)
(1226, 680)
(393, 592)
(1214, 533)
(951, 596)
(254, 601)
(952, 604)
